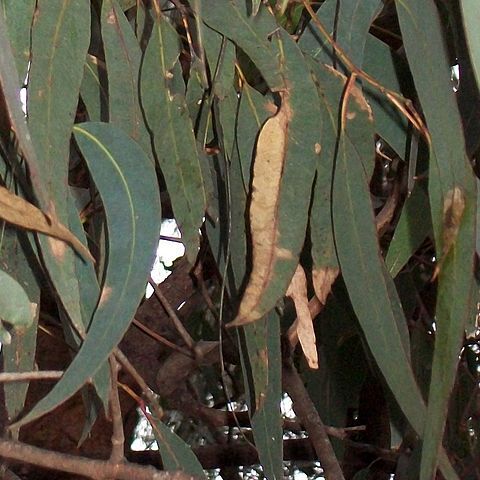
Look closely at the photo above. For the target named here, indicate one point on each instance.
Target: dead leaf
(19, 212)
(303, 325)
(323, 279)
(267, 175)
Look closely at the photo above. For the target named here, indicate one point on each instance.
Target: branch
(310, 419)
(96, 469)
(118, 437)
(7, 377)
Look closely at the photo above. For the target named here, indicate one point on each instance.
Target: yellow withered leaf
(267, 174)
(303, 325)
(19, 212)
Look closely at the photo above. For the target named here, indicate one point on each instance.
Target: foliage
(320, 164)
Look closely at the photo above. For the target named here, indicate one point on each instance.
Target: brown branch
(309, 417)
(118, 437)
(7, 377)
(96, 469)
(173, 316)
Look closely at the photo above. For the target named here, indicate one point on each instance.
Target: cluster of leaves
(289, 137)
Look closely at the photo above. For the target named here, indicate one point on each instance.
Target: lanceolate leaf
(92, 90)
(60, 39)
(126, 181)
(176, 454)
(251, 34)
(175, 146)
(122, 57)
(452, 191)
(348, 22)
(471, 17)
(363, 272)
(265, 369)
(284, 166)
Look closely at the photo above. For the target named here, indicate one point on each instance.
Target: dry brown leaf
(453, 208)
(303, 325)
(267, 174)
(323, 279)
(19, 212)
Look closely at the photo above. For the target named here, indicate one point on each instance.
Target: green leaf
(20, 262)
(123, 58)
(18, 16)
(411, 231)
(175, 146)
(265, 376)
(60, 40)
(126, 181)
(382, 63)
(93, 90)
(350, 22)
(251, 34)
(370, 289)
(15, 306)
(452, 191)
(471, 18)
(176, 454)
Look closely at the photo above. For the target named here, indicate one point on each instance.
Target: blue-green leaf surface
(471, 20)
(126, 181)
(172, 130)
(452, 192)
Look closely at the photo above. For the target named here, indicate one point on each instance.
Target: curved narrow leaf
(169, 122)
(366, 280)
(411, 231)
(60, 40)
(93, 90)
(471, 19)
(122, 58)
(251, 34)
(451, 184)
(18, 16)
(17, 259)
(349, 22)
(285, 163)
(176, 454)
(126, 181)
(265, 374)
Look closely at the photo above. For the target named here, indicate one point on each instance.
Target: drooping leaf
(302, 328)
(285, 162)
(471, 17)
(123, 58)
(18, 15)
(60, 40)
(176, 454)
(251, 34)
(348, 22)
(264, 387)
(19, 212)
(411, 231)
(168, 120)
(452, 191)
(93, 91)
(125, 179)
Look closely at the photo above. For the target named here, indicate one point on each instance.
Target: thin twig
(173, 316)
(168, 238)
(146, 390)
(309, 417)
(96, 469)
(161, 339)
(118, 437)
(8, 377)
(403, 105)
